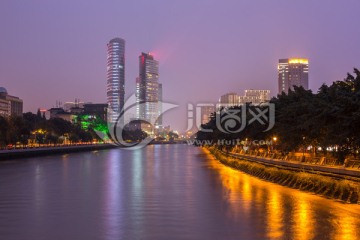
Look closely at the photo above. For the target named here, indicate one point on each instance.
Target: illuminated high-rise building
(293, 72)
(147, 87)
(115, 77)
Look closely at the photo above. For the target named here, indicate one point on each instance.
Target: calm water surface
(159, 192)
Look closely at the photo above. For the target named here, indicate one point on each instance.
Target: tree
(3, 131)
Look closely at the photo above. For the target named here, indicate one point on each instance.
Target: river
(159, 192)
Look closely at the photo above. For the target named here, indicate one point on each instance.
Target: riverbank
(35, 152)
(340, 189)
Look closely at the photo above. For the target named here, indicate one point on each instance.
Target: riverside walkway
(315, 167)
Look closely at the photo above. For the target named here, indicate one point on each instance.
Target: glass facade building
(115, 77)
(147, 88)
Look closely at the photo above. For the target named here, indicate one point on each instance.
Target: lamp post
(303, 157)
(274, 144)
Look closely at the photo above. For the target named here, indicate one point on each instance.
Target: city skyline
(177, 120)
(63, 55)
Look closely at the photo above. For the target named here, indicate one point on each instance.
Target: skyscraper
(148, 88)
(293, 72)
(115, 77)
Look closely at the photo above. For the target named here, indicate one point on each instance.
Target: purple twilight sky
(56, 49)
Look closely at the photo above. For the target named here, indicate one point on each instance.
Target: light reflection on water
(112, 193)
(160, 192)
(290, 214)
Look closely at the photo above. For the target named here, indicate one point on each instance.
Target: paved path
(324, 169)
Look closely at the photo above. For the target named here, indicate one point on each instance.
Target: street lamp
(304, 148)
(274, 144)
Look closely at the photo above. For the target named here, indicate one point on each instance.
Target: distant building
(16, 105)
(60, 113)
(147, 90)
(255, 96)
(206, 112)
(10, 105)
(55, 111)
(293, 72)
(77, 110)
(69, 105)
(229, 100)
(4, 107)
(115, 77)
(97, 109)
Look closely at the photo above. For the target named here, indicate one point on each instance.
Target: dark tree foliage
(134, 135)
(16, 129)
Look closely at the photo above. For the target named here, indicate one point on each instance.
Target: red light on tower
(142, 59)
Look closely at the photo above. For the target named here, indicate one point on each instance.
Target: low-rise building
(97, 109)
(10, 105)
(206, 112)
(255, 97)
(4, 107)
(229, 100)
